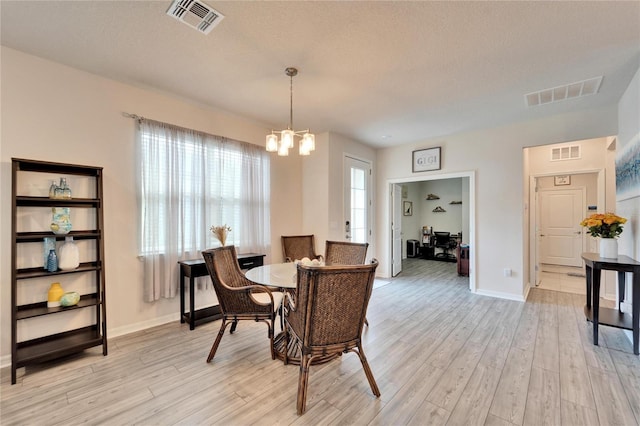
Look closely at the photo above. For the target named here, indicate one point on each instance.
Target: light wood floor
(440, 355)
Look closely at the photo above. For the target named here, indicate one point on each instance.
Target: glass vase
(52, 261)
(48, 245)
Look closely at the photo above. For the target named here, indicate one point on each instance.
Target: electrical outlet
(507, 272)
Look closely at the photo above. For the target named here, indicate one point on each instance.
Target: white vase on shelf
(609, 248)
(69, 255)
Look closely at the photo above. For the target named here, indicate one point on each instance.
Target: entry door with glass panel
(357, 202)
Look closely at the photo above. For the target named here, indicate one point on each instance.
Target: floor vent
(562, 93)
(195, 14)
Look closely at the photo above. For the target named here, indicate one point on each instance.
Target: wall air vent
(561, 93)
(195, 14)
(568, 152)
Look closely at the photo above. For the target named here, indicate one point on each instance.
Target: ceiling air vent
(195, 14)
(561, 93)
(569, 152)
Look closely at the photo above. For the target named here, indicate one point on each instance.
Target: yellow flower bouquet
(607, 225)
(221, 232)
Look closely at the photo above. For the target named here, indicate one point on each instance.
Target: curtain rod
(140, 118)
(134, 116)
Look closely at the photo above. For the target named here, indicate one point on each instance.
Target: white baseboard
(132, 328)
(501, 295)
(5, 361)
(527, 289)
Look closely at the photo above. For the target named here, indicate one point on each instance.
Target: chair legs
(367, 371)
(303, 382)
(225, 323)
(303, 378)
(214, 348)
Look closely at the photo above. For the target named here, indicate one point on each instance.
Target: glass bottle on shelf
(52, 189)
(52, 261)
(66, 191)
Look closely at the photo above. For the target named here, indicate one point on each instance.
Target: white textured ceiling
(383, 73)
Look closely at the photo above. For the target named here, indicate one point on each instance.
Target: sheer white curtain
(189, 181)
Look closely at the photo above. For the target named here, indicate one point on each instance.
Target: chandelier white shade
(287, 138)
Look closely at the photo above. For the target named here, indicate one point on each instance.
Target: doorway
(357, 200)
(557, 240)
(395, 202)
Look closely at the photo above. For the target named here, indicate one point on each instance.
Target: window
(188, 182)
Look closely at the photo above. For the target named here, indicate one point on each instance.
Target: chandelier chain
(291, 101)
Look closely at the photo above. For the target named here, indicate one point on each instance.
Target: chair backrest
(225, 272)
(442, 239)
(331, 304)
(297, 247)
(345, 253)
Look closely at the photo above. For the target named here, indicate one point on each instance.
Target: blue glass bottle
(52, 261)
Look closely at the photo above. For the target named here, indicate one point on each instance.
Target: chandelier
(288, 136)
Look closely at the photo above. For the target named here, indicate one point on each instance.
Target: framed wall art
(407, 208)
(562, 180)
(426, 159)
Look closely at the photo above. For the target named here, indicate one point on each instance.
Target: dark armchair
(327, 316)
(239, 297)
(446, 243)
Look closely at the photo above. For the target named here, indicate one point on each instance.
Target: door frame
(583, 194)
(346, 158)
(471, 175)
(534, 256)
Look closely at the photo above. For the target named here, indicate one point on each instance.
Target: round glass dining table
(277, 275)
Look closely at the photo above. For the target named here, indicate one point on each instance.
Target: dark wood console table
(594, 264)
(197, 268)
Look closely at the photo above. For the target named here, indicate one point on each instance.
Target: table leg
(635, 309)
(181, 296)
(596, 303)
(192, 302)
(588, 273)
(621, 289)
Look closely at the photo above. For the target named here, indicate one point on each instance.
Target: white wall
(56, 113)
(448, 190)
(496, 156)
(629, 132)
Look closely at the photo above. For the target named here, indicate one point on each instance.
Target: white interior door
(357, 201)
(560, 234)
(396, 230)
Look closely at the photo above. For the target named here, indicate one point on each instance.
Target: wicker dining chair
(297, 247)
(239, 298)
(345, 253)
(327, 316)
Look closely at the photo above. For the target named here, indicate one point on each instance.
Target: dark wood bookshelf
(58, 343)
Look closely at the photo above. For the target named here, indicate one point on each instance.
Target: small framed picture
(407, 208)
(426, 159)
(562, 180)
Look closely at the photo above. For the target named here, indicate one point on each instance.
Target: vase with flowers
(221, 232)
(606, 226)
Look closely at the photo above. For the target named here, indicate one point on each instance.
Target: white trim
(471, 175)
(501, 295)
(139, 326)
